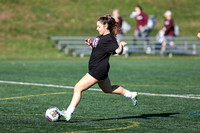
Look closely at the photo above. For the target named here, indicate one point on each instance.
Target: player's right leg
(86, 82)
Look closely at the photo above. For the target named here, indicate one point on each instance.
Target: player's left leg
(106, 87)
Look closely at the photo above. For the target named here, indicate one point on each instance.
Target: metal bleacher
(75, 45)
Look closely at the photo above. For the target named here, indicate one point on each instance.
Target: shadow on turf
(143, 116)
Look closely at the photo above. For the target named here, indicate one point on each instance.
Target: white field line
(190, 96)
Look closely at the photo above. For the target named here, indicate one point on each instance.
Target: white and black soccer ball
(52, 114)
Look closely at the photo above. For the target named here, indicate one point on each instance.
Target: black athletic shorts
(100, 73)
(97, 76)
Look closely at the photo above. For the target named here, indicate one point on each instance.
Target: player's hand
(123, 44)
(88, 41)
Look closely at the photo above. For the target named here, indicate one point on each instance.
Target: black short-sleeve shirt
(102, 48)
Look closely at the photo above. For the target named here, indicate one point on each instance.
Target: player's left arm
(119, 50)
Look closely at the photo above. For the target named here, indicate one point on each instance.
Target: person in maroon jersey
(168, 31)
(141, 20)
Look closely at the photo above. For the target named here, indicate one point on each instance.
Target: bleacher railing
(76, 45)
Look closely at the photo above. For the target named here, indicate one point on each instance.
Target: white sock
(70, 110)
(127, 94)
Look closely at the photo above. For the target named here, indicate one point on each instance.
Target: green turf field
(169, 95)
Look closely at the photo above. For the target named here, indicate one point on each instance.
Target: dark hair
(140, 7)
(110, 21)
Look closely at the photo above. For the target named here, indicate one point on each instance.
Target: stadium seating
(75, 45)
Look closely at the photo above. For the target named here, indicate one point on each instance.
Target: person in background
(119, 36)
(198, 35)
(119, 20)
(167, 31)
(141, 20)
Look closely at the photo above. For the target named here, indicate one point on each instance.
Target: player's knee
(111, 89)
(77, 88)
(107, 91)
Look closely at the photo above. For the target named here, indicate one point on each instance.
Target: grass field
(23, 105)
(25, 20)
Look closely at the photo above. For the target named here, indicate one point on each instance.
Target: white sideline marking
(46, 85)
(190, 96)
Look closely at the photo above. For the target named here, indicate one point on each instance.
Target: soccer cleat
(65, 115)
(134, 98)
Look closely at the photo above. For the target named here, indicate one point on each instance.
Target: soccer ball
(52, 114)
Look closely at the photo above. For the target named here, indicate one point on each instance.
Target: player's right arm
(88, 42)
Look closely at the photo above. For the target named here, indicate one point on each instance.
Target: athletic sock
(70, 110)
(127, 93)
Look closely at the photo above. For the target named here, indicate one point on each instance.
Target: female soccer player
(102, 47)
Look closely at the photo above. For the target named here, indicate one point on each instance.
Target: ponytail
(112, 24)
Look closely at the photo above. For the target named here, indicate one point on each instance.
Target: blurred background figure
(119, 20)
(119, 36)
(198, 35)
(142, 21)
(167, 32)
